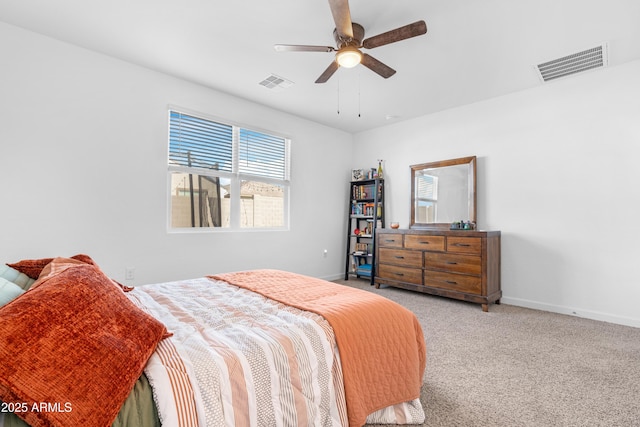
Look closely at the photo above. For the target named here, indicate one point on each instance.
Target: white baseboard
(536, 305)
(571, 311)
(333, 277)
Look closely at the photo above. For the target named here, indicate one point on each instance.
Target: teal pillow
(13, 275)
(9, 291)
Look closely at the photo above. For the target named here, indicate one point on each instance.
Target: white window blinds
(262, 155)
(200, 143)
(427, 187)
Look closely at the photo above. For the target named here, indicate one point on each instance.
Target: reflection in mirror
(443, 192)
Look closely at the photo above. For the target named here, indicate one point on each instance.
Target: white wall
(83, 142)
(558, 174)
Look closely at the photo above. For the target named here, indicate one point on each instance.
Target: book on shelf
(365, 209)
(364, 191)
(362, 247)
(364, 270)
(359, 264)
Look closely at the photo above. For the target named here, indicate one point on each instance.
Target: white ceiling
(473, 50)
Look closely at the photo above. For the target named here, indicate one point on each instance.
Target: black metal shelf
(366, 209)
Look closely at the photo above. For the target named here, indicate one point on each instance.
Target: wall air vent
(276, 82)
(596, 57)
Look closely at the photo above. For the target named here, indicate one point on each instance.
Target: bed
(251, 348)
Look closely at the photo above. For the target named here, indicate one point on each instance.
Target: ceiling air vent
(589, 59)
(276, 82)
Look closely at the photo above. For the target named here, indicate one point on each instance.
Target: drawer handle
(389, 241)
(399, 257)
(399, 274)
(424, 243)
(461, 244)
(452, 263)
(452, 282)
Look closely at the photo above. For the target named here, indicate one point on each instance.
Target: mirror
(443, 192)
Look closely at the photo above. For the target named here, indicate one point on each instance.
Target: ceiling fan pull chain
(338, 94)
(358, 93)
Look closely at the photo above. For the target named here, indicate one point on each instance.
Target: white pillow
(9, 291)
(13, 275)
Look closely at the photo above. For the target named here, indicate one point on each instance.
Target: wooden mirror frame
(471, 161)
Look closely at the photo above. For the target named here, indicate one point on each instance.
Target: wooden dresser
(457, 264)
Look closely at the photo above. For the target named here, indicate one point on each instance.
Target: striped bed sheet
(237, 358)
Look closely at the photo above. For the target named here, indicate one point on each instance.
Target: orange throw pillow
(33, 267)
(73, 348)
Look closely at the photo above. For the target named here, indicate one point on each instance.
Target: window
(226, 177)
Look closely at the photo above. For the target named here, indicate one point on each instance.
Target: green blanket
(138, 410)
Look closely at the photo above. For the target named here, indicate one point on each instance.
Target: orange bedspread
(381, 343)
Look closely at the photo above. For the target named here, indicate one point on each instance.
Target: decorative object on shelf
(394, 225)
(357, 174)
(366, 214)
(462, 225)
(367, 174)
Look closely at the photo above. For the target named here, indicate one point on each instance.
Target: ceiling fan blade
(412, 30)
(376, 66)
(332, 68)
(342, 17)
(301, 48)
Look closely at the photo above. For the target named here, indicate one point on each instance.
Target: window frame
(235, 177)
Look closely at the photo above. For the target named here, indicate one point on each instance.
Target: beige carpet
(516, 367)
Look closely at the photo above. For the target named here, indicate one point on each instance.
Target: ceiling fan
(349, 40)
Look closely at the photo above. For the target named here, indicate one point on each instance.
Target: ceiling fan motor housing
(358, 36)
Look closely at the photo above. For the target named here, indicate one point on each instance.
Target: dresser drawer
(464, 245)
(466, 264)
(400, 257)
(452, 281)
(400, 274)
(424, 243)
(390, 240)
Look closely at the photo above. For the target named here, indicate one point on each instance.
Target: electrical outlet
(129, 273)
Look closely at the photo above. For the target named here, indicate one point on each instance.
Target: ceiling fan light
(348, 57)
